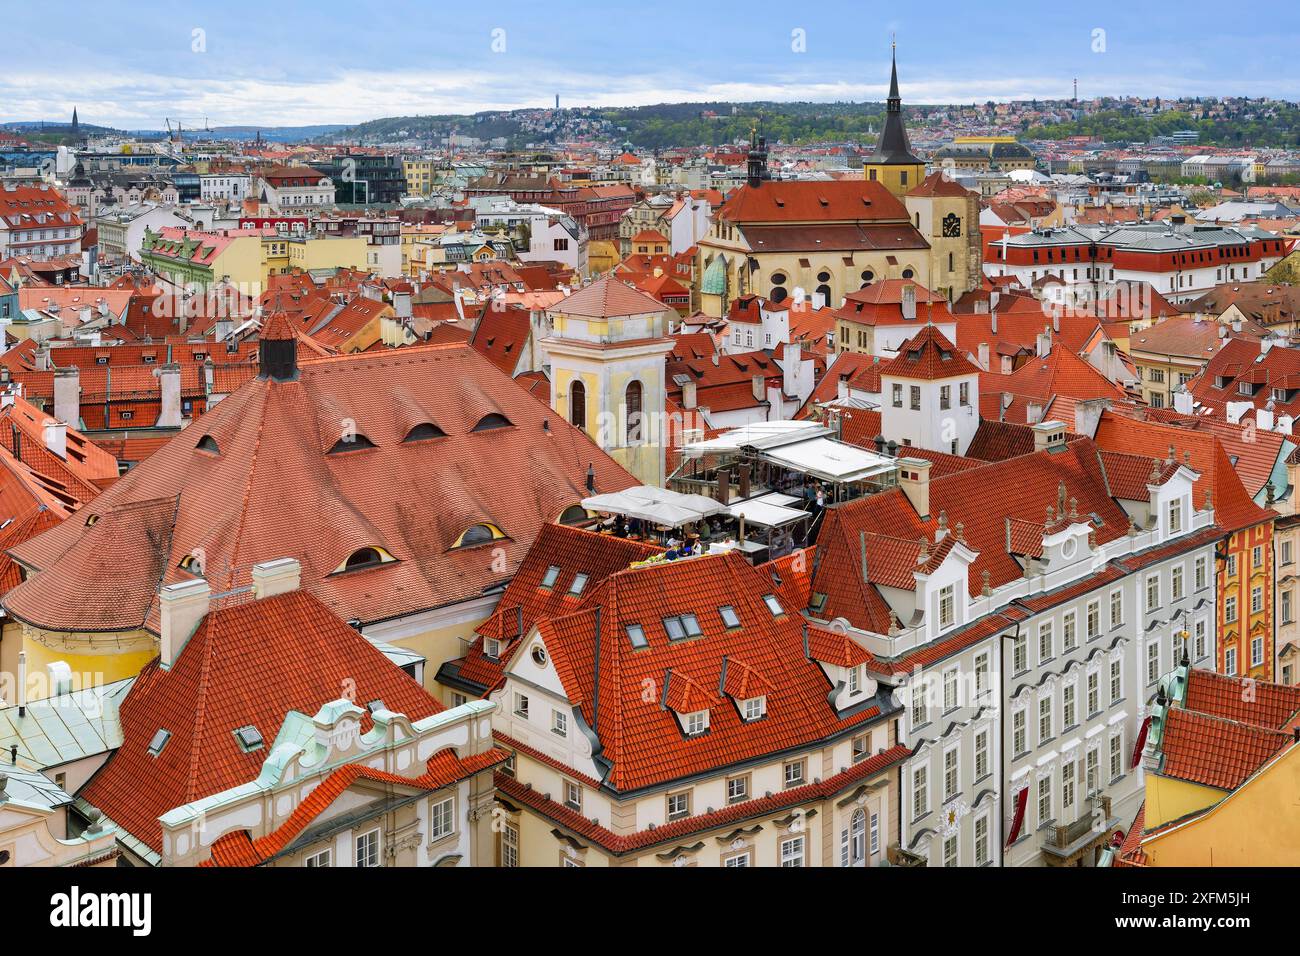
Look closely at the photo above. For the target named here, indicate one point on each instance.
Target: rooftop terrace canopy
(658, 505)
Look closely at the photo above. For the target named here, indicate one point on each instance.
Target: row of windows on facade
(368, 846)
(632, 405)
(945, 396)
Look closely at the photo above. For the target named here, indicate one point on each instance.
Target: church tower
(893, 164)
(607, 346)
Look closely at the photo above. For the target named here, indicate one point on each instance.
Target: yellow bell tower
(893, 164)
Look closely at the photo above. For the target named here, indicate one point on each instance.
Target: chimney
(402, 304)
(1183, 401)
(1044, 342)
(276, 577)
(169, 384)
(1056, 320)
(842, 387)
(67, 395)
(909, 301)
(1034, 413)
(760, 387)
(56, 437)
(42, 358)
(984, 356)
(182, 607)
(688, 395)
(914, 479)
(1087, 415)
(1049, 434)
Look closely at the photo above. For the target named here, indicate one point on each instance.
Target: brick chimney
(182, 607)
(276, 577)
(67, 395)
(914, 479)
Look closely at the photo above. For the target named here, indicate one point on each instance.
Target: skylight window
(729, 616)
(773, 605)
(548, 579)
(351, 443)
(579, 582)
(423, 432)
(636, 636)
(491, 421)
(250, 738)
(159, 742)
(682, 626)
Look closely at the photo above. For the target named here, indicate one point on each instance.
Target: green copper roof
(715, 277)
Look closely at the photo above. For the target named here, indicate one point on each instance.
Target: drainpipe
(1002, 745)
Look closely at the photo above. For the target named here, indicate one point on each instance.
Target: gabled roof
(281, 482)
(928, 356)
(1061, 372)
(643, 744)
(608, 298)
(248, 665)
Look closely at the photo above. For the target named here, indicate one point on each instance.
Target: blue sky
(328, 61)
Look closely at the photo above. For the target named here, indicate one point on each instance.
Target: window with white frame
(950, 690)
(1176, 583)
(1284, 551)
(559, 723)
(1019, 654)
(981, 754)
(1153, 592)
(981, 841)
(919, 715)
(739, 861)
(737, 789)
(1257, 556)
(324, 858)
(521, 706)
(793, 774)
(1044, 641)
(1202, 644)
(679, 805)
(1069, 707)
(367, 846)
(1230, 566)
(854, 679)
(981, 672)
(920, 792)
(853, 843)
(1069, 632)
(1019, 737)
(442, 818)
(950, 775)
(1116, 681)
(1068, 772)
(860, 747)
(1092, 770)
(1256, 599)
(1230, 608)
(1044, 719)
(947, 606)
(1116, 756)
(572, 795)
(792, 852)
(1230, 661)
(1044, 800)
(950, 850)
(1116, 608)
(753, 708)
(1094, 695)
(1256, 651)
(1176, 516)
(1093, 619)
(696, 722)
(1286, 606)
(1199, 573)
(1153, 662)
(875, 833)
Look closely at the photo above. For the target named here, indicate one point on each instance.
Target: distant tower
(1076, 90)
(757, 165)
(893, 164)
(76, 127)
(557, 101)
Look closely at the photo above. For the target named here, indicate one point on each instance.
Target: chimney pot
(182, 607)
(276, 577)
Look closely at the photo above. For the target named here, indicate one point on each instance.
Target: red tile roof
(277, 487)
(1216, 752)
(928, 356)
(608, 298)
(250, 664)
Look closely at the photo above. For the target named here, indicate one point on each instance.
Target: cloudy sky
(329, 61)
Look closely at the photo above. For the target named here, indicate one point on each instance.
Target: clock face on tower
(951, 226)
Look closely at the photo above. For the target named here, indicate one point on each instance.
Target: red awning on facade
(1141, 742)
(1022, 798)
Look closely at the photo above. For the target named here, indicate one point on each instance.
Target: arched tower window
(632, 404)
(578, 404)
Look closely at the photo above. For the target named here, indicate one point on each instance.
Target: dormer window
(423, 432)
(548, 579)
(753, 708)
(695, 723)
(364, 558)
(478, 534)
(1245, 388)
(351, 443)
(855, 679)
(209, 444)
(490, 421)
(492, 648)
